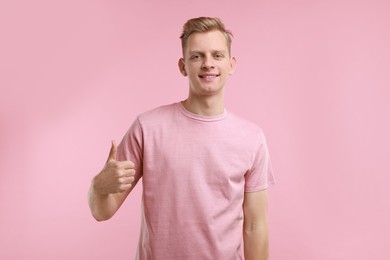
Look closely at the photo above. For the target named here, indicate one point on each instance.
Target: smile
(209, 76)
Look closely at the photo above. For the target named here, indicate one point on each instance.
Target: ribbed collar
(201, 117)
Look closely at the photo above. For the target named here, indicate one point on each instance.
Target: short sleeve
(260, 176)
(131, 148)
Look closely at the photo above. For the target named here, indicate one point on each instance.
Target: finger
(125, 173)
(113, 151)
(124, 187)
(126, 180)
(128, 173)
(126, 165)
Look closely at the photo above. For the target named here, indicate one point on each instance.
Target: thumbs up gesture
(116, 176)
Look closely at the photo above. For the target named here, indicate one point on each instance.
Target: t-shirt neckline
(201, 117)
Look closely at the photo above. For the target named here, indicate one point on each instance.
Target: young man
(205, 172)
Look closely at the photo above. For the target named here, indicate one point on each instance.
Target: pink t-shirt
(195, 170)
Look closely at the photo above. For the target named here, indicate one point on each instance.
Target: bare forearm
(111, 186)
(102, 207)
(256, 244)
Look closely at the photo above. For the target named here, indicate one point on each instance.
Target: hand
(116, 176)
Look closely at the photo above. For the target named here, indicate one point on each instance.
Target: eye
(195, 57)
(218, 55)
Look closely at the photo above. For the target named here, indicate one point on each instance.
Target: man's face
(207, 63)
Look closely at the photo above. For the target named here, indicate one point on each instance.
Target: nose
(207, 63)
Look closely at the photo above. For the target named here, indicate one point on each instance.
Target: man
(205, 172)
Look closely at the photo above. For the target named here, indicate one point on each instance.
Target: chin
(209, 91)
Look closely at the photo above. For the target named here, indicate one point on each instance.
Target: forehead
(212, 40)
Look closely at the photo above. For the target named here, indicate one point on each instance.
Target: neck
(205, 106)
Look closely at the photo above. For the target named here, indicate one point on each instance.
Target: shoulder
(245, 126)
(158, 114)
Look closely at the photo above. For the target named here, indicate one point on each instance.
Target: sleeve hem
(260, 188)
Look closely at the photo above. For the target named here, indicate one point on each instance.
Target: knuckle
(121, 181)
(118, 173)
(112, 165)
(130, 164)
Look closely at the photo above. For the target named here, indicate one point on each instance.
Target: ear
(232, 65)
(182, 67)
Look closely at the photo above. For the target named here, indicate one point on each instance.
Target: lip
(209, 76)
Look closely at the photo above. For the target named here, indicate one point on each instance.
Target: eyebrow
(213, 51)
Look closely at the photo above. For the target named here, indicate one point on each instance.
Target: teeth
(209, 77)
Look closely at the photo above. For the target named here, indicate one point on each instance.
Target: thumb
(112, 155)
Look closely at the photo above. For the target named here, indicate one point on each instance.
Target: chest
(214, 156)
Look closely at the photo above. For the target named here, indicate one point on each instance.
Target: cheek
(227, 69)
(191, 70)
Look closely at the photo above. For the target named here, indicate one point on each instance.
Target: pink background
(314, 74)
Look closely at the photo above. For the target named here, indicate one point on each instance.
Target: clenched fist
(116, 176)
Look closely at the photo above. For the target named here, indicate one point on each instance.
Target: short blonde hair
(204, 24)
